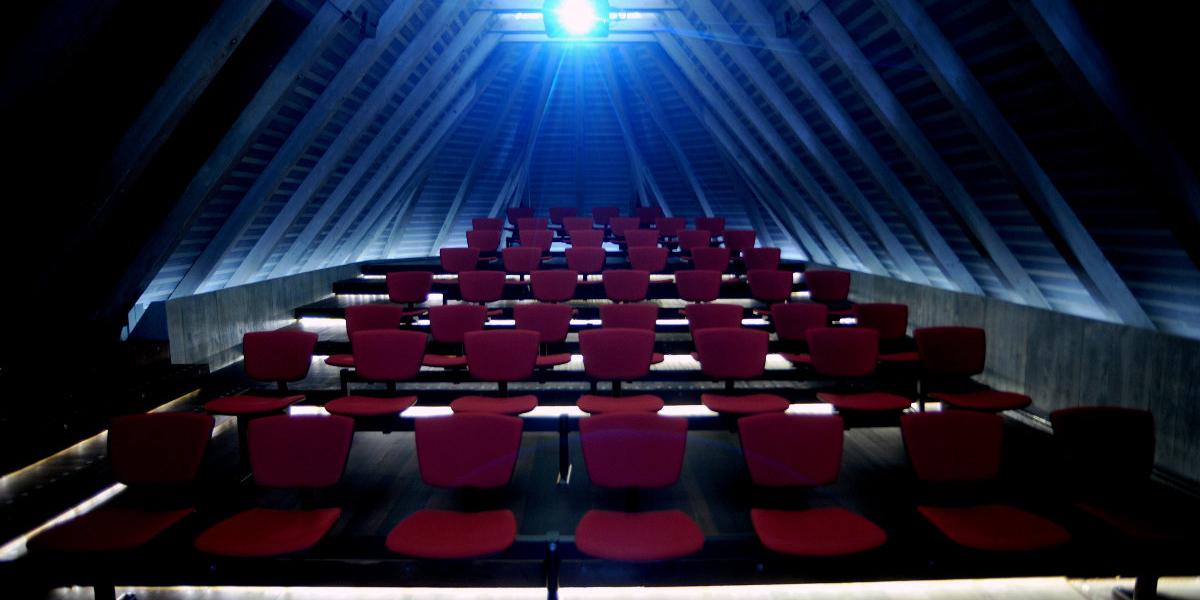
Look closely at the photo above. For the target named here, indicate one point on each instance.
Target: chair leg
(564, 452)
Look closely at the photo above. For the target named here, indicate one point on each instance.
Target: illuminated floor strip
(16, 548)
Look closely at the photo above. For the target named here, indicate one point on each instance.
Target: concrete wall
(207, 328)
(1063, 360)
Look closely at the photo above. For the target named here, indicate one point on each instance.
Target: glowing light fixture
(576, 18)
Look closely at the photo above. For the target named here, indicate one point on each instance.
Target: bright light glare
(578, 17)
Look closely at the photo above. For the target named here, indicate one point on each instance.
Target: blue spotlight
(576, 18)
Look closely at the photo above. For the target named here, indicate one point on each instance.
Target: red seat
(622, 225)
(669, 227)
(532, 223)
(154, 449)
(828, 287)
(505, 405)
(521, 260)
(461, 451)
(734, 353)
(457, 260)
(541, 239)
(739, 240)
(715, 226)
(616, 354)
(481, 286)
(646, 215)
(367, 317)
(691, 239)
(586, 238)
(643, 315)
(843, 353)
(554, 286)
(281, 356)
(586, 261)
(382, 356)
(700, 285)
(603, 215)
(594, 404)
(766, 259)
(651, 259)
(487, 223)
(748, 404)
(552, 322)
(500, 356)
(960, 446)
(635, 450)
(706, 316)
(285, 452)
(715, 259)
(626, 285)
(802, 451)
(486, 240)
(641, 238)
(770, 287)
(573, 223)
(891, 321)
(793, 321)
(950, 356)
(449, 324)
(558, 213)
(517, 213)
(409, 287)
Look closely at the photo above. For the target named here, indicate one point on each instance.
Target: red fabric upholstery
(828, 286)
(616, 353)
(636, 537)
(444, 361)
(622, 285)
(983, 400)
(546, 361)
(641, 238)
(388, 355)
(467, 450)
(451, 322)
(586, 238)
(367, 317)
(481, 286)
(593, 404)
(647, 214)
(750, 404)
(602, 215)
(622, 225)
(624, 450)
(866, 402)
(345, 361)
(551, 321)
(486, 240)
(953, 446)
(793, 320)
(890, 320)
(770, 286)
(158, 447)
(797, 358)
(369, 406)
(690, 239)
(648, 258)
(572, 223)
(657, 358)
(951, 351)
(1142, 523)
(457, 260)
(558, 213)
(265, 532)
(408, 287)
(282, 355)
(541, 239)
(792, 450)
(669, 226)
(731, 353)
(629, 316)
(843, 352)
(107, 529)
(250, 405)
(447, 534)
(714, 225)
(508, 405)
(766, 259)
(739, 240)
(532, 223)
(715, 259)
(707, 316)
(487, 223)
(554, 286)
(1104, 446)
(698, 286)
(899, 357)
(586, 260)
(502, 355)
(995, 527)
(299, 451)
(516, 213)
(816, 532)
(521, 260)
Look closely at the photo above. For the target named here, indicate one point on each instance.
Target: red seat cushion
(658, 535)
(995, 527)
(267, 532)
(744, 405)
(657, 358)
(106, 529)
(987, 400)
(553, 360)
(340, 360)
(444, 361)
(367, 406)
(513, 405)
(250, 405)
(816, 532)
(1150, 524)
(797, 358)
(900, 357)
(593, 404)
(449, 534)
(872, 401)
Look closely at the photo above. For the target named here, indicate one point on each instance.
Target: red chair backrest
(708, 258)
(951, 351)
(551, 321)
(554, 286)
(707, 316)
(761, 258)
(770, 286)
(794, 319)
(487, 223)
(586, 238)
(616, 353)
(953, 446)
(481, 286)
(457, 260)
(641, 238)
(521, 259)
(501, 355)
(383, 355)
(843, 351)
(474, 450)
(451, 322)
(157, 448)
(699, 285)
(669, 226)
(623, 225)
(577, 223)
(739, 240)
(690, 239)
(1104, 446)
(586, 260)
(558, 213)
(365, 317)
(625, 450)
(828, 286)
(647, 214)
(731, 352)
(626, 285)
(602, 215)
(890, 320)
(301, 451)
(629, 316)
(409, 287)
(517, 213)
(783, 450)
(487, 240)
(532, 223)
(648, 258)
(537, 238)
(283, 355)
(713, 225)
